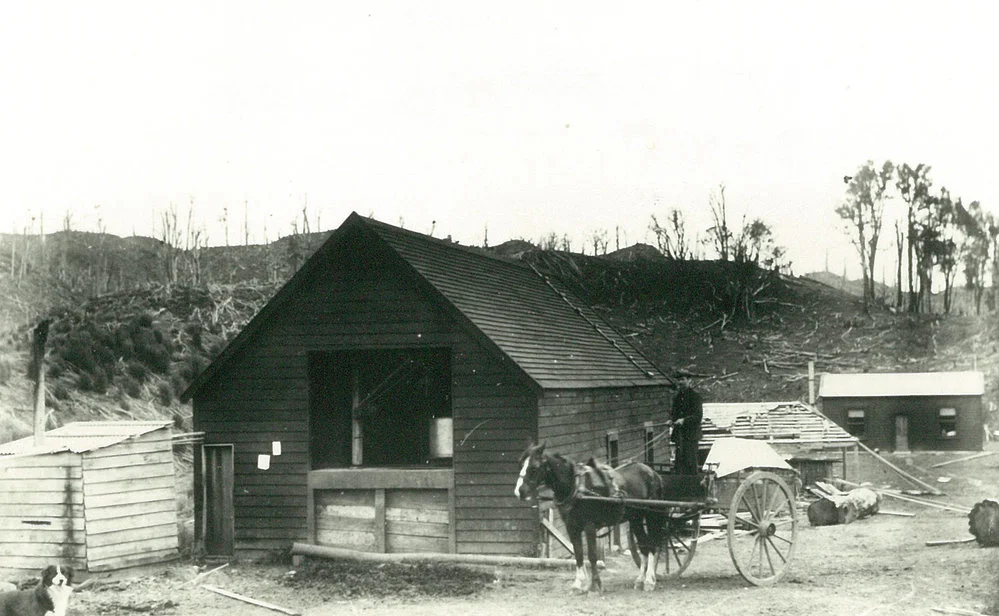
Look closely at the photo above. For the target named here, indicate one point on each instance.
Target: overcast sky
(528, 118)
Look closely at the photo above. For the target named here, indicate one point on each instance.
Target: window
(650, 443)
(855, 422)
(612, 450)
(948, 423)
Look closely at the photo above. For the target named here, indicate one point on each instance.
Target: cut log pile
(837, 507)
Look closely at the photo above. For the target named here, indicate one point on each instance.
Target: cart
(746, 494)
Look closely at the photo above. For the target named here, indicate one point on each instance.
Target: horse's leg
(576, 536)
(591, 549)
(656, 525)
(637, 530)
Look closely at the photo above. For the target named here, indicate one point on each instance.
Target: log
(974, 457)
(840, 508)
(983, 522)
(322, 551)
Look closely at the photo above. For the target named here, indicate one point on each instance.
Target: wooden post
(41, 334)
(811, 383)
(356, 430)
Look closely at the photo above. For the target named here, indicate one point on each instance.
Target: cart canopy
(732, 455)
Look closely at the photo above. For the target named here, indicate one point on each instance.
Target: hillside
(130, 352)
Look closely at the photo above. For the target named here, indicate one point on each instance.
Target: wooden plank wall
(575, 423)
(263, 396)
(41, 513)
(384, 520)
(130, 502)
(494, 421)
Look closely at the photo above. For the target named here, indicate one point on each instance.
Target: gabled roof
(897, 384)
(553, 337)
(778, 422)
(81, 436)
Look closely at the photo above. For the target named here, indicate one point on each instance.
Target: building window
(948, 423)
(612, 450)
(650, 443)
(855, 422)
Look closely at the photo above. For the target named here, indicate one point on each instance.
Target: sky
(486, 121)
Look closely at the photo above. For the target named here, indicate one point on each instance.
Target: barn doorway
(218, 525)
(378, 407)
(901, 433)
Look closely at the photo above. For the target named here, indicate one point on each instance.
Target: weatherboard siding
(575, 423)
(262, 396)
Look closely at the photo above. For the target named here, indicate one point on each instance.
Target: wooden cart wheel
(762, 528)
(679, 543)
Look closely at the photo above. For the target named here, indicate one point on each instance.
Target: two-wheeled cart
(746, 494)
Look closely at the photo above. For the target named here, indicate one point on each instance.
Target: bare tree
(599, 240)
(721, 234)
(671, 238)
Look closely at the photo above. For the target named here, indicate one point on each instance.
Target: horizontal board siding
(41, 512)
(346, 518)
(575, 423)
(130, 503)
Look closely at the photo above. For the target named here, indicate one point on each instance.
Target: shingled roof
(555, 338)
(777, 422)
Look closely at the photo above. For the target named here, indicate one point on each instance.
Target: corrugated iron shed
(900, 384)
(82, 436)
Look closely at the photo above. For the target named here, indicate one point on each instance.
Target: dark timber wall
(923, 420)
(368, 300)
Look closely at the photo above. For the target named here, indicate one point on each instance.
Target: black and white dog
(51, 595)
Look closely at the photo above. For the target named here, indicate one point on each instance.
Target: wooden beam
(974, 457)
(915, 480)
(554, 532)
(322, 551)
(251, 600)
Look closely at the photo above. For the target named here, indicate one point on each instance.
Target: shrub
(165, 394)
(131, 386)
(137, 370)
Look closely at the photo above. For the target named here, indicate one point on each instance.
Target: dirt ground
(875, 566)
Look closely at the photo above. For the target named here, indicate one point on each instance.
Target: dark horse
(570, 480)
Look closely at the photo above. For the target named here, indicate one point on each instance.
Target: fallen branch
(957, 611)
(251, 601)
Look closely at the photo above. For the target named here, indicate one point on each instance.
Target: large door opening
(378, 407)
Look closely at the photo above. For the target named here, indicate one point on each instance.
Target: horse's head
(532, 463)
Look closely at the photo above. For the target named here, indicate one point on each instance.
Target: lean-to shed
(811, 442)
(940, 411)
(97, 496)
(380, 401)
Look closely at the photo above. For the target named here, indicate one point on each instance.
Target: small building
(97, 496)
(935, 411)
(381, 400)
(813, 445)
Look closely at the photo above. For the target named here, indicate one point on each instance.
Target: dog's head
(57, 575)
(54, 589)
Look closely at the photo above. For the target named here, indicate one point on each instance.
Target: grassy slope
(149, 342)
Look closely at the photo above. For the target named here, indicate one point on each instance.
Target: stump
(983, 522)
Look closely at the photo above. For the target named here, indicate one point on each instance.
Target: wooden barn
(940, 411)
(97, 496)
(381, 400)
(810, 442)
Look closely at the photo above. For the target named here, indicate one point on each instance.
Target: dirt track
(874, 566)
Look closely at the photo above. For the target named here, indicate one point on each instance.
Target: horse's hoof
(649, 587)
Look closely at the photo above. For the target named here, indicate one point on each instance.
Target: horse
(569, 480)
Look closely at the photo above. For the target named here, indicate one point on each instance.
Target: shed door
(220, 516)
(901, 433)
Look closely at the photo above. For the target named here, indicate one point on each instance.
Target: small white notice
(276, 448)
(263, 461)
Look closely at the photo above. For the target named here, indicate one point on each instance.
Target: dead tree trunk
(41, 334)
